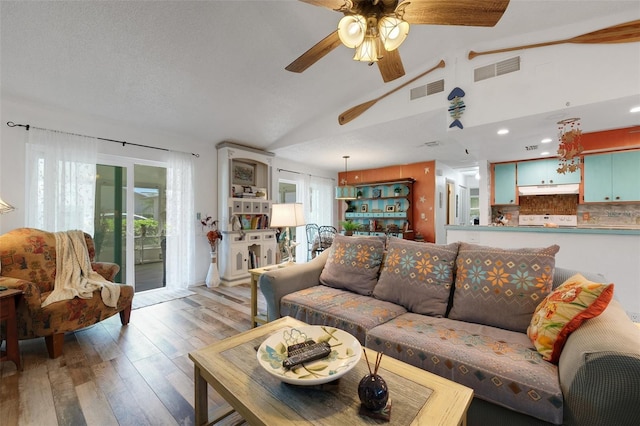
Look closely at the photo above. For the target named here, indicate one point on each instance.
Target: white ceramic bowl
(345, 354)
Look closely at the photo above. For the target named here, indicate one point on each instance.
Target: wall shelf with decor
(244, 207)
(383, 208)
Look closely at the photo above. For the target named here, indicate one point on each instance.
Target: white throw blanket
(74, 276)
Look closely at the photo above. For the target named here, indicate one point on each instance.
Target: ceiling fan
(375, 28)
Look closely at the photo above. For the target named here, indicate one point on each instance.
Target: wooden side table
(255, 276)
(8, 302)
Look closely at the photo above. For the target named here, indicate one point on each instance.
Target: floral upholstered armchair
(28, 262)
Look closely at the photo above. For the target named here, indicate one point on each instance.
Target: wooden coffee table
(232, 369)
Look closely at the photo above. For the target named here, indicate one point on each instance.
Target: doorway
(130, 218)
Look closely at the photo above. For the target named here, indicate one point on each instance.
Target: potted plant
(397, 191)
(349, 227)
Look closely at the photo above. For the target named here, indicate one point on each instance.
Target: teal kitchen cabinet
(612, 177)
(544, 172)
(504, 183)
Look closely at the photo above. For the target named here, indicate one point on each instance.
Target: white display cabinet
(244, 188)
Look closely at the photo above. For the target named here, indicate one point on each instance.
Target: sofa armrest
(599, 370)
(279, 282)
(31, 296)
(560, 275)
(108, 270)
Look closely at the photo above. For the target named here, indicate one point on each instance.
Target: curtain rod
(28, 126)
(301, 173)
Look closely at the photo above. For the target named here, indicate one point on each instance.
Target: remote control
(307, 354)
(295, 349)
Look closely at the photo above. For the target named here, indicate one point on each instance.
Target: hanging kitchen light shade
(345, 192)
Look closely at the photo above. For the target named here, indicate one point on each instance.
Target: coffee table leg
(202, 406)
(254, 300)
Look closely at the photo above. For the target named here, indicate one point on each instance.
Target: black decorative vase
(373, 392)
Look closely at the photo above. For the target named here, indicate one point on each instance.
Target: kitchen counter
(611, 252)
(567, 230)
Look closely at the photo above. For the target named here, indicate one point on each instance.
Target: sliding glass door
(130, 218)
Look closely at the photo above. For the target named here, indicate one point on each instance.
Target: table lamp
(285, 216)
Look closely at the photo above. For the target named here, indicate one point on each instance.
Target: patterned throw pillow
(417, 276)
(353, 263)
(563, 311)
(501, 287)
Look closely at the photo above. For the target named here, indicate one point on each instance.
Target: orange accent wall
(424, 174)
(608, 140)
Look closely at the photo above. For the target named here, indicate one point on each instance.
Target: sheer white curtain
(320, 206)
(180, 221)
(61, 180)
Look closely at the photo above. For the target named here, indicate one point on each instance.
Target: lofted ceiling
(214, 71)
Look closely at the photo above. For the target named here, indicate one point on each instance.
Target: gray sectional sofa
(450, 310)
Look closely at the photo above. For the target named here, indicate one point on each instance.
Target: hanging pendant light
(345, 192)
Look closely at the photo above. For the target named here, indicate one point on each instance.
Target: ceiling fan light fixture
(351, 30)
(393, 31)
(367, 51)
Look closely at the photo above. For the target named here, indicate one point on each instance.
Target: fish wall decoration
(456, 109)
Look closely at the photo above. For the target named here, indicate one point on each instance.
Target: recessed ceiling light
(635, 109)
(503, 131)
(544, 153)
(546, 140)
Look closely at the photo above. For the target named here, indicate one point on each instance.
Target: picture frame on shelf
(390, 208)
(364, 208)
(243, 173)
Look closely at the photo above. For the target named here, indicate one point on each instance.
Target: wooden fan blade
(327, 4)
(316, 53)
(454, 12)
(628, 32)
(390, 66)
(357, 110)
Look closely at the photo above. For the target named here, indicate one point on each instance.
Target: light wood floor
(134, 375)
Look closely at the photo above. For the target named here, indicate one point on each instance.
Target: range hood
(573, 188)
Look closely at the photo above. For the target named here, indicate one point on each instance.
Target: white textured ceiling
(214, 70)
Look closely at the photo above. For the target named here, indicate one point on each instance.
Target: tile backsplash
(609, 215)
(589, 215)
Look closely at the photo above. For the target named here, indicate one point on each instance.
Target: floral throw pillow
(563, 311)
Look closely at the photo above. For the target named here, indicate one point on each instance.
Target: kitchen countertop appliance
(548, 219)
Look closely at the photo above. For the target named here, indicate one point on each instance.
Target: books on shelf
(249, 221)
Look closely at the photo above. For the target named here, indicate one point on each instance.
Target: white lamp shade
(367, 51)
(351, 30)
(393, 31)
(346, 192)
(284, 215)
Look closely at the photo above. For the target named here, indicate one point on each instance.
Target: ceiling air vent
(427, 89)
(499, 68)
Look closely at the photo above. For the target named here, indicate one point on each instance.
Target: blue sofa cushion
(501, 366)
(348, 311)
